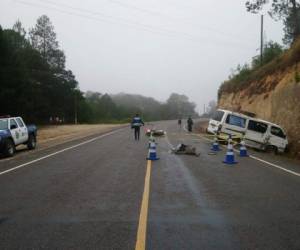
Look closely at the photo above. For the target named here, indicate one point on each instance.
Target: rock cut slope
(272, 93)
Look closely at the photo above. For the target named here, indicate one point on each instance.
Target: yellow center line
(142, 228)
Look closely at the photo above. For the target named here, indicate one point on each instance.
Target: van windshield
(218, 115)
(236, 121)
(3, 124)
(256, 126)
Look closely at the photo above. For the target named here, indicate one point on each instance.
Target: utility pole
(261, 38)
(75, 108)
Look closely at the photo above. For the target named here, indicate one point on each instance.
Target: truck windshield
(3, 124)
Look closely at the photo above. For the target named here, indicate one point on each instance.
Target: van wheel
(286, 149)
(9, 148)
(31, 144)
(272, 149)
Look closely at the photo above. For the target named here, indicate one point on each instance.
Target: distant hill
(136, 101)
(175, 107)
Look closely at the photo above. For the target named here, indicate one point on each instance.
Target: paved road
(87, 194)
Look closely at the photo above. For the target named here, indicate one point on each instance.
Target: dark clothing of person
(136, 125)
(179, 122)
(190, 124)
(137, 133)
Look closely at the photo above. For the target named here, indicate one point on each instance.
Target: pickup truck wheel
(9, 148)
(31, 144)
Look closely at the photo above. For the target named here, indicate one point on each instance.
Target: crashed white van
(257, 133)
(228, 122)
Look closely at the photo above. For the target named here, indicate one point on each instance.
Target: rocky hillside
(273, 96)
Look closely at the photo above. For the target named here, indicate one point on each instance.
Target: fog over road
(87, 194)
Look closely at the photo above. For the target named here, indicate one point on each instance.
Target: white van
(227, 122)
(258, 133)
(265, 135)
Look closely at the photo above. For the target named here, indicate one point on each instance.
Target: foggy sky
(152, 47)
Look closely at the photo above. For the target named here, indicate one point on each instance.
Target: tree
(179, 106)
(271, 51)
(19, 28)
(43, 39)
(287, 10)
(20, 77)
(31, 85)
(288, 29)
(18, 35)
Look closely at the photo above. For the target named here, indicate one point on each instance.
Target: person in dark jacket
(179, 122)
(136, 125)
(190, 124)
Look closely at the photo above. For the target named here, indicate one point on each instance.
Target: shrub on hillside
(276, 61)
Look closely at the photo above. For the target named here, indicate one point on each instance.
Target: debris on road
(185, 149)
(155, 132)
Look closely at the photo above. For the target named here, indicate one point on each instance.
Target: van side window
(218, 115)
(236, 121)
(278, 132)
(257, 126)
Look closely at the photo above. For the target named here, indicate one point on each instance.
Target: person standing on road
(179, 122)
(136, 125)
(190, 124)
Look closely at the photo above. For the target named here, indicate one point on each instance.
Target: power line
(126, 22)
(80, 15)
(133, 7)
(151, 12)
(172, 32)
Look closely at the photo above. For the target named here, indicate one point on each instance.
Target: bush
(275, 62)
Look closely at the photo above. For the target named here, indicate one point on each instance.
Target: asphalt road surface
(101, 193)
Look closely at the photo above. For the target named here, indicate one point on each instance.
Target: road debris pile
(185, 149)
(155, 132)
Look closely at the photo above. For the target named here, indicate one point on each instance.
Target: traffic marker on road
(243, 149)
(152, 156)
(215, 146)
(229, 157)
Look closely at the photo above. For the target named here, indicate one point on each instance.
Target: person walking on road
(190, 124)
(136, 125)
(179, 123)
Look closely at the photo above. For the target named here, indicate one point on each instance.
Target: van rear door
(278, 138)
(256, 133)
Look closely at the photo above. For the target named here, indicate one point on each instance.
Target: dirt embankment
(53, 135)
(278, 103)
(201, 126)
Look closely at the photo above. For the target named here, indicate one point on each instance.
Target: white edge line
(274, 165)
(263, 161)
(58, 152)
(169, 143)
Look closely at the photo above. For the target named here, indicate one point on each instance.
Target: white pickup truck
(14, 132)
